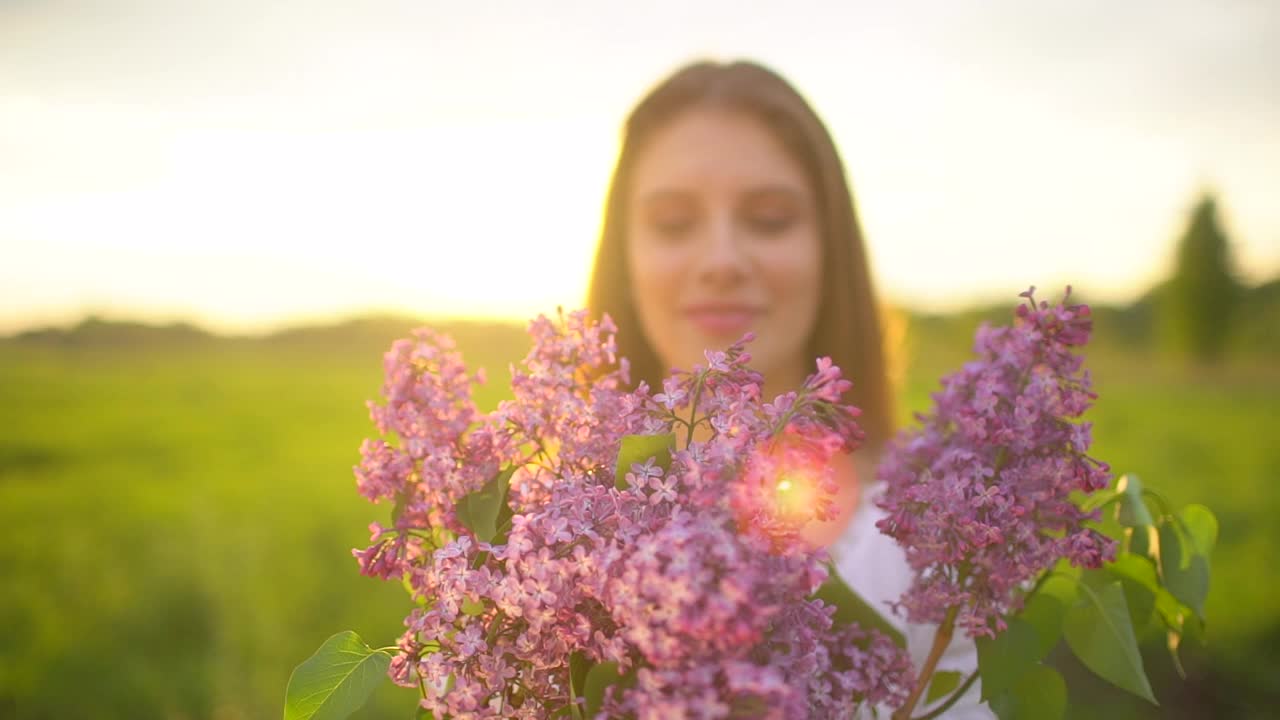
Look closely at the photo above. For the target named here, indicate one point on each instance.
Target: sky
(247, 164)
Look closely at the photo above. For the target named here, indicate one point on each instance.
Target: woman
(729, 211)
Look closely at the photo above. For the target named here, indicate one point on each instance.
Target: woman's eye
(672, 226)
(770, 223)
(668, 215)
(769, 212)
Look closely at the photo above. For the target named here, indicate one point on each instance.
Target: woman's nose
(723, 259)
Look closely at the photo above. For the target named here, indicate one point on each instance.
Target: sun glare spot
(795, 493)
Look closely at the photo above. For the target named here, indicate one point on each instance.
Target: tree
(1202, 295)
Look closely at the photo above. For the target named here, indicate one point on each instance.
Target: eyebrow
(662, 193)
(788, 190)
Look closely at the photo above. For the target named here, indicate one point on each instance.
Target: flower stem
(693, 411)
(941, 639)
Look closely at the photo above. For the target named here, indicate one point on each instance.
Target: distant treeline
(1140, 325)
(358, 334)
(1136, 326)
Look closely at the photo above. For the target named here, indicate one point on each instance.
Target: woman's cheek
(670, 268)
(791, 267)
(659, 278)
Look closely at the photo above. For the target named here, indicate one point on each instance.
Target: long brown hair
(848, 327)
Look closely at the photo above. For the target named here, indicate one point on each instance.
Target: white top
(874, 565)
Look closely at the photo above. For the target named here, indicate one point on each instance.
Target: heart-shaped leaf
(1201, 527)
(335, 681)
(1137, 576)
(1099, 632)
(1004, 658)
(1040, 694)
(1045, 609)
(1185, 571)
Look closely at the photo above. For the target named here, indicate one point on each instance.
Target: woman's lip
(722, 320)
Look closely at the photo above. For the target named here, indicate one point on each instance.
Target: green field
(176, 518)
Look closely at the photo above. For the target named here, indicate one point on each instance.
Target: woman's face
(722, 238)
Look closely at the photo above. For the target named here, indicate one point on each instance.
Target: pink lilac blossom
(980, 494)
(690, 576)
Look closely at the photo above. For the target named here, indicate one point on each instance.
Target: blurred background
(215, 217)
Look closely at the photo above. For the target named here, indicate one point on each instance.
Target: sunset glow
(247, 169)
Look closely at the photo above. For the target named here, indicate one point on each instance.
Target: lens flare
(794, 495)
(788, 484)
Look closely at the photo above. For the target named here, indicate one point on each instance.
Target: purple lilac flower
(980, 494)
(692, 577)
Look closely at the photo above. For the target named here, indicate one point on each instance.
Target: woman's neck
(775, 385)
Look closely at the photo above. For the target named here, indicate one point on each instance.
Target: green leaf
(851, 608)
(1185, 572)
(336, 680)
(1098, 500)
(484, 511)
(1044, 614)
(1045, 609)
(424, 714)
(472, 607)
(1136, 568)
(599, 678)
(1173, 641)
(1099, 632)
(1004, 658)
(944, 683)
(1108, 524)
(1062, 586)
(1133, 511)
(579, 666)
(1173, 613)
(1141, 542)
(1201, 526)
(1137, 576)
(1040, 693)
(639, 448)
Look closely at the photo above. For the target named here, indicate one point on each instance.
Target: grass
(176, 520)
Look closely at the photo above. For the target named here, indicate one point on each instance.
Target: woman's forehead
(710, 148)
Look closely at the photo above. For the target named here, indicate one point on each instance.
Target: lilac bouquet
(587, 550)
